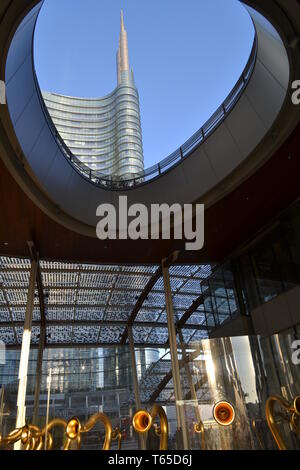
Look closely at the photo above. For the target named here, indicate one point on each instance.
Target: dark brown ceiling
(229, 222)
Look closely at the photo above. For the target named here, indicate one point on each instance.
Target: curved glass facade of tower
(103, 133)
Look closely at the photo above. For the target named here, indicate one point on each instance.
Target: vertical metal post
(238, 291)
(23, 368)
(191, 385)
(1, 407)
(118, 402)
(213, 305)
(48, 405)
(135, 380)
(38, 374)
(256, 293)
(174, 356)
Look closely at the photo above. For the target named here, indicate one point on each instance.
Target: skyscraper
(104, 133)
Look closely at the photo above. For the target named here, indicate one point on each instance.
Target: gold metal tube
(22, 434)
(51, 425)
(257, 434)
(74, 429)
(49, 441)
(32, 437)
(143, 420)
(199, 429)
(294, 411)
(294, 424)
(103, 418)
(39, 444)
(67, 444)
(13, 437)
(39, 434)
(117, 435)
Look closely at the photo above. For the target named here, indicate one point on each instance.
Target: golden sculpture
(74, 430)
(117, 435)
(292, 409)
(34, 438)
(199, 429)
(22, 434)
(42, 438)
(143, 420)
(224, 413)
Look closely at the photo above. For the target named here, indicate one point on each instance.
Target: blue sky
(186, 57)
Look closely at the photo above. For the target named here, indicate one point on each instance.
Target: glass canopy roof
(92, 304)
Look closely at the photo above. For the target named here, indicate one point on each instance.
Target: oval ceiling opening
(176, 63)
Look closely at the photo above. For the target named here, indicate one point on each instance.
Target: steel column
(25, 349)
(135, 380)
(174, 356)
(191, 385)
(39, 370)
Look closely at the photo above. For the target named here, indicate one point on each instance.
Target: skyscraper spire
(122, 54)
(122, 21)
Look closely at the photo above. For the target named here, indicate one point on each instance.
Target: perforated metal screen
(92, 304)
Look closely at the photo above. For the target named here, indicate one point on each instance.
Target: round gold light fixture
(26, 434)
(224, 413)
(73, 428)
(142, 421)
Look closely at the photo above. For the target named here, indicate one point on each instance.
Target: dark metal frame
(151, 283)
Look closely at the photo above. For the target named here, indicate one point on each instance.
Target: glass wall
(262, 270)
(271, 264)
(83, 382)
(243, 371)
